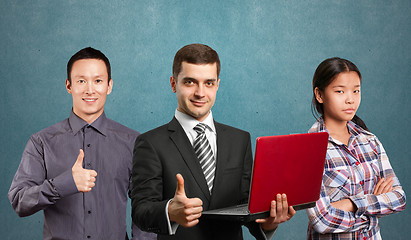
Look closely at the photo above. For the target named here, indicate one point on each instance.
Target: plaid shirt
(352, 172)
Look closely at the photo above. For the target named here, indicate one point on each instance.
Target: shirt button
(362, 182)
(89, 212)
(88, 145)
(357, 163)
(89, 164)
(365, 238)
(88, 236)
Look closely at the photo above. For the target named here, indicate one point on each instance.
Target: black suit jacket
(165, 151)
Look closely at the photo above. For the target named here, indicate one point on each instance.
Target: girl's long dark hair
(325, 73)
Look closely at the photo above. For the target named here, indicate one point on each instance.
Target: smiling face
(196, 87)
(89, 88)
(341, 98)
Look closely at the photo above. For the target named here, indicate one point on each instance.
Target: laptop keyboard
(242, 209)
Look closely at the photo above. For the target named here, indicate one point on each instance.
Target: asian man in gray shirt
(78, 171)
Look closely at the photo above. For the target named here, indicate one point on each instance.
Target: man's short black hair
(88, 53)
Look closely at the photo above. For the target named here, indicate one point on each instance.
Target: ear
(110, 86)
(318, 95)
(173, 83)
(68, 86)
(218, 83)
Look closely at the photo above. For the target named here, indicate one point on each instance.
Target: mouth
(350, 110)
(198, 103)
(90, 100)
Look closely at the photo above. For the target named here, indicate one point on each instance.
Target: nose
(199, 91)
(89, 88)
(350, 99)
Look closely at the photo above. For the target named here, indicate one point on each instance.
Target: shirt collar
(188, 122)
(354, 130)
(318, 126)
(77, 123)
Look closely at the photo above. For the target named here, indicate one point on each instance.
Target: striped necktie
(205, 155)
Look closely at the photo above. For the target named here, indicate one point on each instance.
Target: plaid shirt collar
(356, 132)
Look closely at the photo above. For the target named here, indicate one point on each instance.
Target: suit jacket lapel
(180, 139)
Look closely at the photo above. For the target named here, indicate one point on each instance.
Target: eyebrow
(195, 80)
(342, 86)
(82, 76)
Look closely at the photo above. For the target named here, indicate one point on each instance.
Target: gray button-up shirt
(44, 179)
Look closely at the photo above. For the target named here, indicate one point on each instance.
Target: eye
(339, 91)
(188, 82)
(210, 83)
(99, 81)
(357, 91)
(81, 81)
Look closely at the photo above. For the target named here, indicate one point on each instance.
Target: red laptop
(291, 164)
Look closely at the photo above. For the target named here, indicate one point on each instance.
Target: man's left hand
(280, 212)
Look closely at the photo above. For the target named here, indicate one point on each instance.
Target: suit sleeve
(30, 190)
(147, 190)
(136, 233)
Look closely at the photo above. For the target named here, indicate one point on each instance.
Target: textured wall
(269, 51)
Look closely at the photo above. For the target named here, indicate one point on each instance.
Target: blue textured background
(269, 51)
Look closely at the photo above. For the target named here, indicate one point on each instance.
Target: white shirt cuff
(268, 235)
(172, 226)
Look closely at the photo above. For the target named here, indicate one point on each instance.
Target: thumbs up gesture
(83, 178)
(182, 210)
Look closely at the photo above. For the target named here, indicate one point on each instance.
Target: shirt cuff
(361, 203)
(172, 226)
(64, 184)
(269, 234)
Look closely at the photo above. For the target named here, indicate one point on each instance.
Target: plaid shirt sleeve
(324, 218)
(386, 203)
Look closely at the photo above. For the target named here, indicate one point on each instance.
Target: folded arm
(387, 200)
(328, 218)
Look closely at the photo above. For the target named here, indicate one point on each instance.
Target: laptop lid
(291, 164)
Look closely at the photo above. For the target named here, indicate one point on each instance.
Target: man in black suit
(193, 163)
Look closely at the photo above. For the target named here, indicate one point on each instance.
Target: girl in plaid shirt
(359, 184)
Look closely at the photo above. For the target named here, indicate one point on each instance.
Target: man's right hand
(182, 210)
(84, 178)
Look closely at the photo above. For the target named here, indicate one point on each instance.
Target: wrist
(169, 211)
(269, 228)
